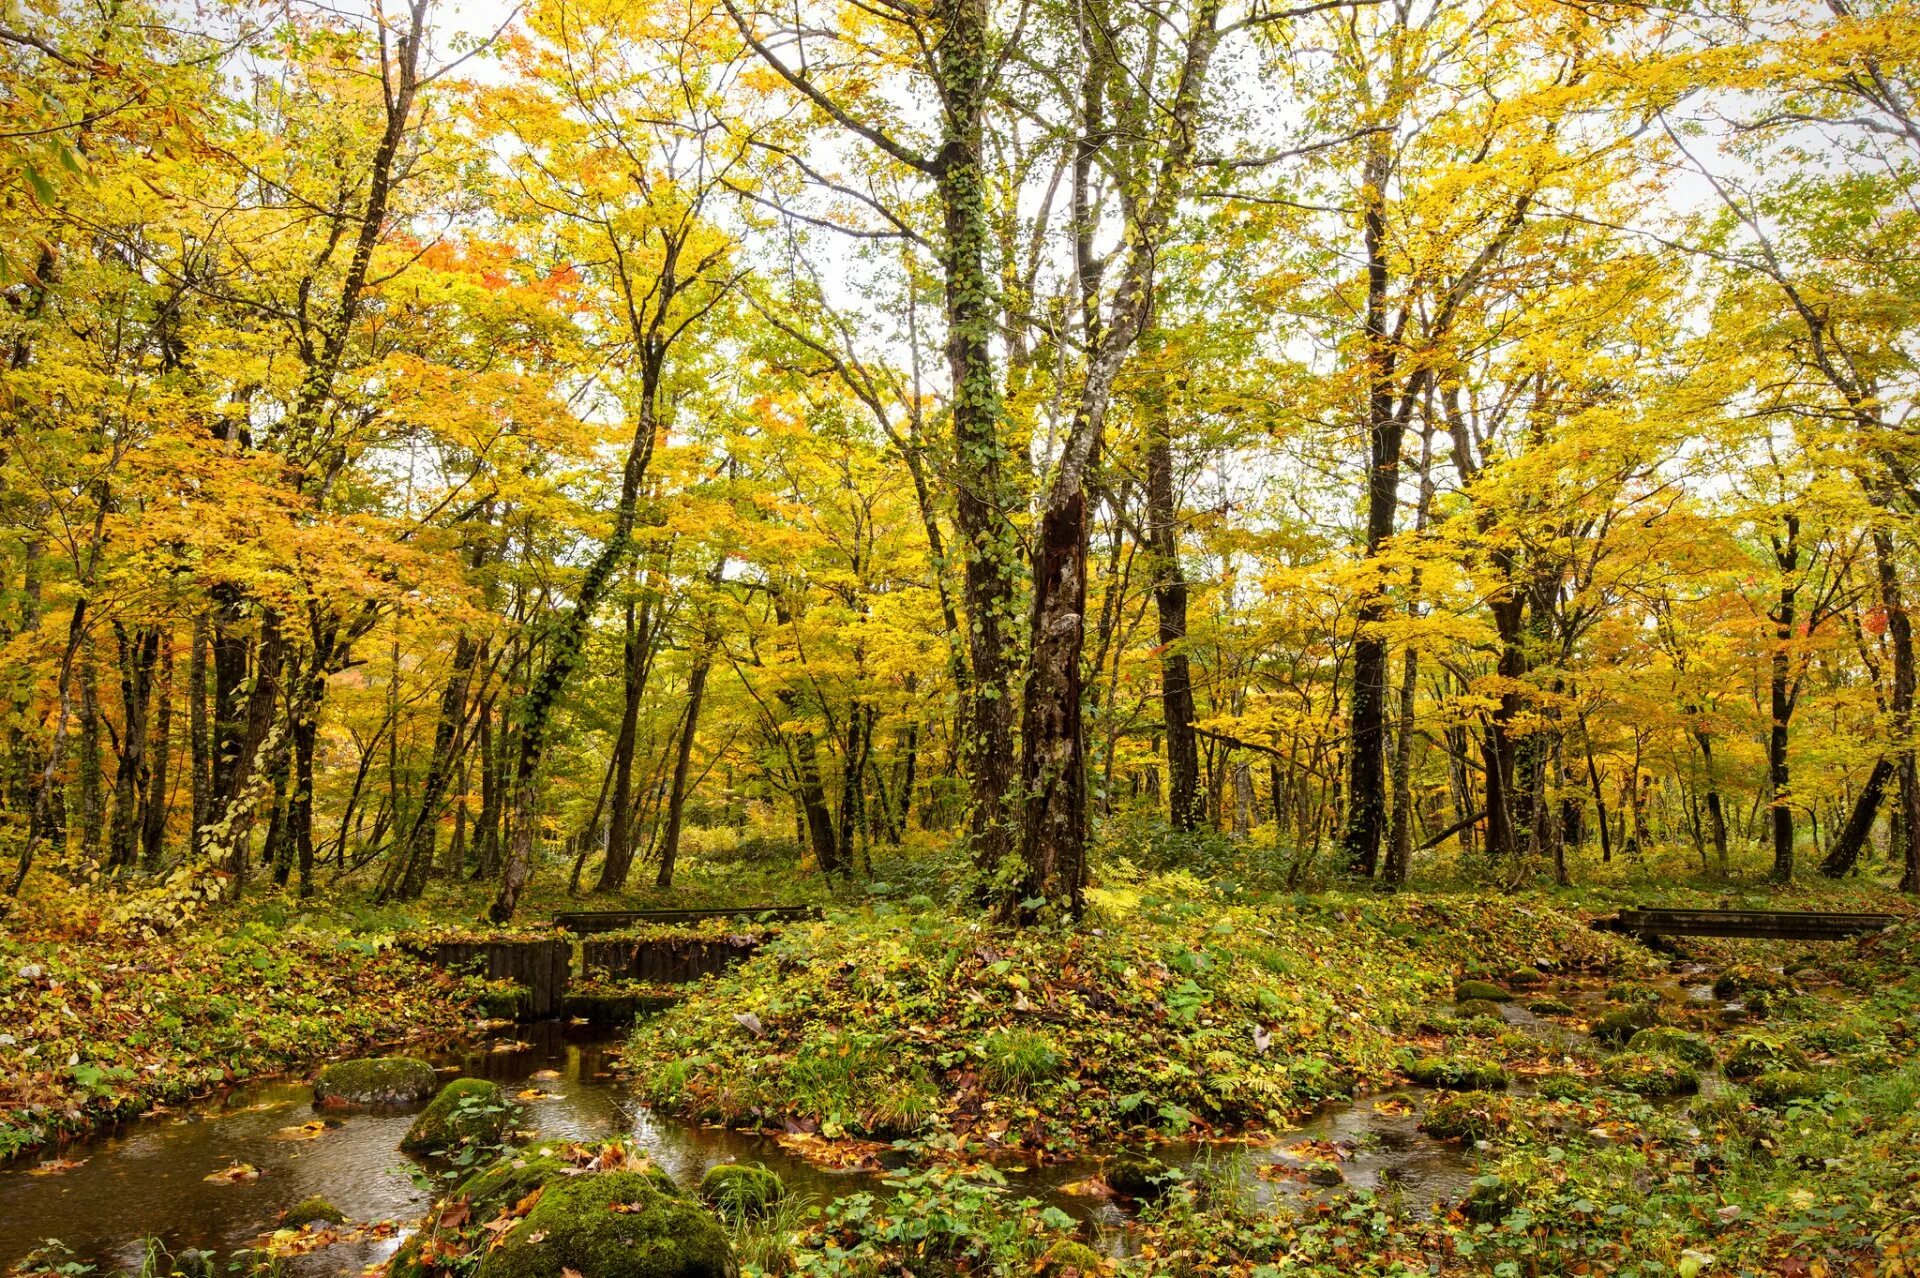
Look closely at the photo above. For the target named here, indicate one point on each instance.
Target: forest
(1132, 583)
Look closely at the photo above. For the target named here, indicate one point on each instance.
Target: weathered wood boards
(586, 922)
(542, 968)
(1783, 925)
(667, 960)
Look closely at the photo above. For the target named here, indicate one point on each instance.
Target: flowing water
(148, 1178)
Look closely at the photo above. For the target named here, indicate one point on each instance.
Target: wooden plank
(542, 968)
(1785, 925)
(584, 922)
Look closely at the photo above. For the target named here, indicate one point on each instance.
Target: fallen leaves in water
(304, 1131)
(838, 1155)
(544, 1075)
(305, 1239)
(535, 1094)
(233, 1174)
(1091, 1187)
(56, 1166)
(511, 1045)
(1393, 1108)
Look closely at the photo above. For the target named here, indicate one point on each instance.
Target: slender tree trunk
(139, 653)
(449, 743)
(1170, 602)
(200, 738)
(620, 826)
(153, 827)
(1846, 849)
(682, 763)
(1787, 558)
(92, 811)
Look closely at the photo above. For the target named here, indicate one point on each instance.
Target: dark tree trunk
(1716, 811)
(1170, 601)
(139, 653)
(92, 809)
(1053, 755)
(200, 738)
(620, 825)
(1845, 852)
(153, 826)
(449, 743)
(1787, 558)
(682, 763)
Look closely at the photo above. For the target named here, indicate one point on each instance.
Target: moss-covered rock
(1617, 1025)
(375, 1080)
(1071, 1260)
(1138, 1175)
(468, 1111)
(1779, 1087)
(1679, 1044)
(314, 1208)
(1564, 1087)
(1477, 1007)
(1755, 1054)
(611, 1225)
(1651, 1074)
(1550, 1007)
(1526, 977)
(1470, 991)
(741, 1191)
(1489, 1199)
(1457, 1073)
(1743, 980)
(1467, 1116)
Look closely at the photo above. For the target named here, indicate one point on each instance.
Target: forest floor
(1780, 1137)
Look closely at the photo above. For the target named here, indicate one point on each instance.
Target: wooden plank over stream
(542, 968)
(586, 922)
(1780, 925)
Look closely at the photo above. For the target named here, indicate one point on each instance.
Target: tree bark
(1846, 849)
(153, 826)
(683, 760)
(1170, 603)
(620, 825)
(1787, 558)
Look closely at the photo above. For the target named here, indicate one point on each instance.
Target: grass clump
(1468, 1116)
(1755, 1054)
(1666, 1041)
(741, 1191)
(1016, 1060)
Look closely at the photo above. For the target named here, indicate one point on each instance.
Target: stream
(147, 1179)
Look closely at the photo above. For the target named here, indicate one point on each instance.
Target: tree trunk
(92, 811)
(682, 763)
(153, 827)
(200, 756)
(1845, 852)
(1787, 558)
(620, 825)
(139, 653)
(1170, 602)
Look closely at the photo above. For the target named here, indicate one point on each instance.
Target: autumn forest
(1098, 475)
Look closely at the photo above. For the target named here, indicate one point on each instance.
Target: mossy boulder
(1755, 1054)
(1679, 1044)
(1526, 977)
(1780, 1087)
(1617, 1025)
(1477, 1007)
(1138, 1175)
(1467, 1116)
(1457, 1073)
(1550, 1007)
(1651, 1074)
(1489, 1199)
(375, 1080)
(1743, 980)
(611, 1225)
(468, 1111)
(741, 1191)
(1071, 1260)
(314, 1208)
(1564, 1087)
(1480, 991)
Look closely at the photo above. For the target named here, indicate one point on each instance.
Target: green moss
(1071, 1260)
(506, 1182)
(1467, 1116)
(1746, 979)
(1678, 1044)
(468, 1111)
(1489, 1199)
(1564, 1087)
(1457, 1073)
(1470, 991)
(1138, 1175)
(1550, 1007)
(611, 1225)
(1651, 1074)
(1478, 1007)
(1526, 976)
(313, 1208)
(1778, 1087)
(379, 1080)
(1755, 1054)
(739, 1191)
(1616, 1026)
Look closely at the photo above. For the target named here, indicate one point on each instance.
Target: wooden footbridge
(1773, 925)
(545, 968)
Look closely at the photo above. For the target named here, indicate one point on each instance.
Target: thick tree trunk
(1846, 849)
(1053, 758)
